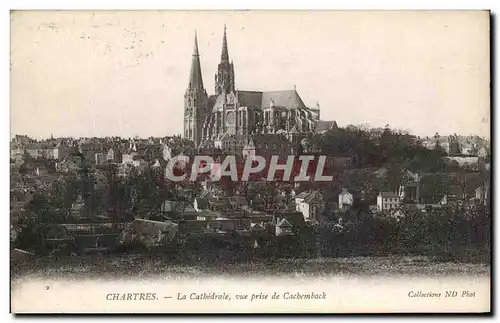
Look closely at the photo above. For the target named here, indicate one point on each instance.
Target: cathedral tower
(224, 79)
(195, 99)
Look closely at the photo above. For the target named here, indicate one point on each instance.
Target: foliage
(448, 231)
(381, 148)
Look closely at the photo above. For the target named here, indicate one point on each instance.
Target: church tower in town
(224, 79)
(226, 119)
(195, 99)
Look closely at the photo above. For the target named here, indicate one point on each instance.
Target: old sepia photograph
(250, 161)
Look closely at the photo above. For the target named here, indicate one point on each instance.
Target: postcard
(250, 161)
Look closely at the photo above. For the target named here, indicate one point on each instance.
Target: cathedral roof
(288, 98)
(250, 99)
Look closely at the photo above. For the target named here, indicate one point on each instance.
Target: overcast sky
(125, 72)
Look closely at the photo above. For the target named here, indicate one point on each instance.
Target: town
(386, 190)
(94, 194)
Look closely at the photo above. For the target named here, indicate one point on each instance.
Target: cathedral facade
(238, 114)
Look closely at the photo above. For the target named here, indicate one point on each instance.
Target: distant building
(17, 155)
(482, 153)
(449, 199)
(231, 116)
(346, 199)
(128, 158)
(149, 233)
(310, 204)
(470, 162)
(283, 228)
(325, 126)
(166, 152)
(100, 158)
(70, 164)
(89, 148)
(409, 193)
(482, 194)
(387, 201)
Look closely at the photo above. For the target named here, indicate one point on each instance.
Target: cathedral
(238, 116)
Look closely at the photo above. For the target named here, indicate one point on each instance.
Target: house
(139, 162)
(226, 224)
(387, 201)
(187, 211)
(17, 155)
(166, 152)
(238, 202)
(299, 197)
(324, 126)
(310, 204)
(482, 153)
(114, 155)
(230, 143)
(201, 203)
(227, 204)
(267, 145)
(89, 148)
(110, 155)
(467, 149)
(77, 208)
(219, 225)
(149, 233)
(192, 227)
(248, 150)
(70, 164)
(261, 218)
(128, 158)
(257, 227)
(283, 227)
(409, 193)
(100, 158)
(41, 150)
(60, 151)
(449, 199)
(208, 215)
(179, 208)
(346, 199)
(482, 193)
(294, 217)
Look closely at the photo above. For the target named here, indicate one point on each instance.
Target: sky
(124, 73)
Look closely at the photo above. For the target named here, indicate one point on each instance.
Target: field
(131, 266)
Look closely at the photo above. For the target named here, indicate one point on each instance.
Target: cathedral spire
(224, 79)
(224, 56)
(195, 52)
(195, 77)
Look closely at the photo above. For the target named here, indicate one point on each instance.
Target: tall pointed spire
(195, 77)
(224, 56)
(195, 52)
(224, 79)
